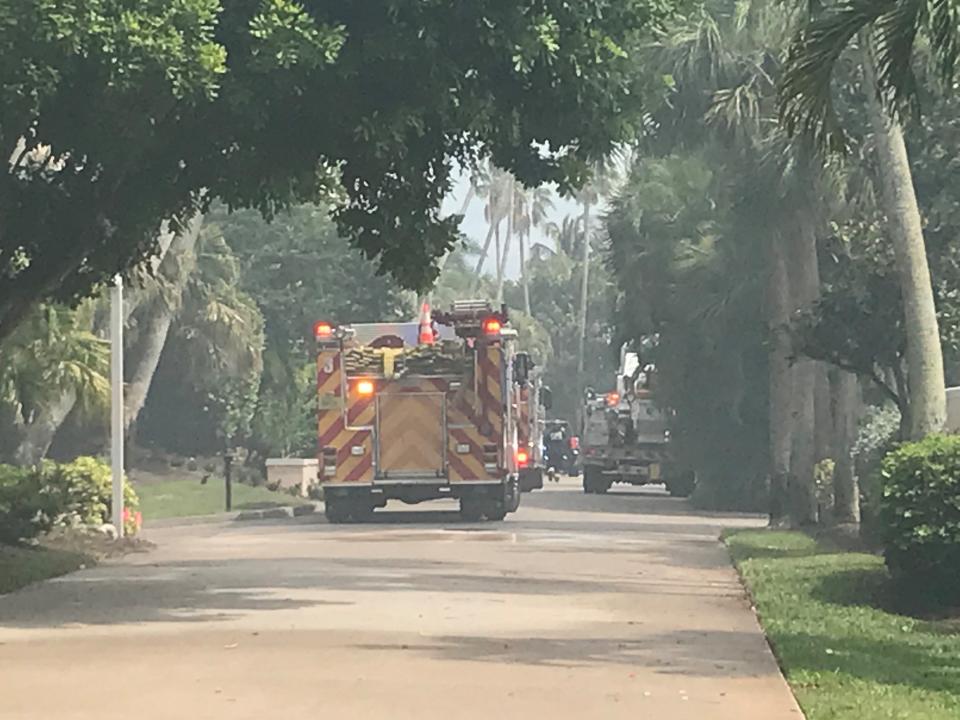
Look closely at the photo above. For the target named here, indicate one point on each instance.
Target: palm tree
(566, 235)
(531, 208)
(606, 174)
(886, 34)
(51, 363)
(491, 186)
(725, 61)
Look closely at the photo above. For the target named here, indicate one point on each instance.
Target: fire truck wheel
(361, 511)
(335, 509)
(590, 484)
(511, 500)
(496, 512)
(470, 510)
(682, 485)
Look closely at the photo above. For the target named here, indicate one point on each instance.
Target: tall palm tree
(491, 186)
(726, 60)
(51, 363)
(531, 208)
(606, 175)
(566, 235)
(509, 192)
(886, 33)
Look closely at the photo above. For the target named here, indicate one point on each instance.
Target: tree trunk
(804, 284)
(523, 272)
(846, 490)
(925, 378)
(486, 250)
(38, 434)
(824, 409)
(584, 295)
(471, 192)
(154, 326)
(502, 270)
(781, 380)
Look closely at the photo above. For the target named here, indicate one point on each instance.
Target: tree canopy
(117, 115)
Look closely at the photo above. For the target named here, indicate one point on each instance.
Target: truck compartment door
(411, 435)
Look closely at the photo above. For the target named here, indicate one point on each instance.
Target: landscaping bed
(20, 566)
(188, 497)
(846, 652)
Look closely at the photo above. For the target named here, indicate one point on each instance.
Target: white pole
(116, 400)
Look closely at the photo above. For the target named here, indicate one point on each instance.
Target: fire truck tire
(511, 499)
(361, 512)
(336, 510)
(591, 482)
(682, 485)
(470, 510)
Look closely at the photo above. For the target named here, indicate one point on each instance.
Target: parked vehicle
(560, 450)
(419, 411)
(626, 434)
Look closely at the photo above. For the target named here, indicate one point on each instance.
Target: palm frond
(806, 105)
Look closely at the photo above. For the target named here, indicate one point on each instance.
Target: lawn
(180, 498)
(21, 566)
(845, 656)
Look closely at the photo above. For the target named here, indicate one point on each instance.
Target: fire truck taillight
(492, 326)
(322, 330)
(523, 458)
(365, 388)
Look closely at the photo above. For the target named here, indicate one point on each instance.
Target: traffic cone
(426, 325)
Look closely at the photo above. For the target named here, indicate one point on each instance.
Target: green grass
(21, 566)
(846, 657)
(182, 498)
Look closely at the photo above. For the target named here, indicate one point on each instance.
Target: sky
(475, 227)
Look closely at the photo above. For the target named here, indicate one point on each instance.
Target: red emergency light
(523, 458)
(322, 330)
(492, 326)
(613, 399)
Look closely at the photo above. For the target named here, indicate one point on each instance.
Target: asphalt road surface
(617, 606)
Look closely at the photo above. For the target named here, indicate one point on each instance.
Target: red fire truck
(420, 411)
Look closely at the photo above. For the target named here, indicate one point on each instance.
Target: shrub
(27, 508)
(86, 485)
(920, 516)
(33, 500)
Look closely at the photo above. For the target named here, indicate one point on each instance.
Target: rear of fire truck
(419, 411)
(529, 400)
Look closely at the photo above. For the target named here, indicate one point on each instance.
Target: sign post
(116, 400)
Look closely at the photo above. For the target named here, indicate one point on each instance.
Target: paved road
(618, 606)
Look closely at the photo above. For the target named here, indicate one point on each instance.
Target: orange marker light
(322, 330)
(613, 399)
(365, 387)
(522, 458)
(492, 326)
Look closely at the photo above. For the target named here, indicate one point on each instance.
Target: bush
(32, 500)
(27, 508)
(920, 516)
(87, 488)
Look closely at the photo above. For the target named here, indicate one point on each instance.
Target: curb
(275, 513)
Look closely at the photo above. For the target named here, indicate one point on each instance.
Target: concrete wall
(293, 472)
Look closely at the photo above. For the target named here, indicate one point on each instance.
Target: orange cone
(426, 325)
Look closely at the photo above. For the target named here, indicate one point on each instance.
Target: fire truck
(626, 435)
(531, 397)
(420, 411)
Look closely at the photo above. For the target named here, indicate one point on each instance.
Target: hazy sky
(475, 227)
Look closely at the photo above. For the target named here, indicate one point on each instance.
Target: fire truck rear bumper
(413, 490)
